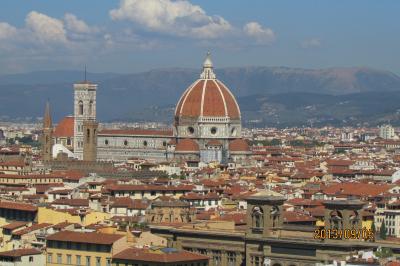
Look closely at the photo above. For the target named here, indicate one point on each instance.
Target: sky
(137, 35)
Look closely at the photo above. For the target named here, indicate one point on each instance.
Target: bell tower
(90, 140)
(343, 215)
(84, 111)
(47, 137)
(264, 215)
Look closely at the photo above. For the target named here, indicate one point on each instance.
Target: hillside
(263, 92)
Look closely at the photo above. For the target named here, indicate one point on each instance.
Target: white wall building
(387, 132)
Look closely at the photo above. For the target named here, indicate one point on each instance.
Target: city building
(207, 128)
(267, 240)
(22, 257)
(387, 132)
(158, 257)
(83, 248)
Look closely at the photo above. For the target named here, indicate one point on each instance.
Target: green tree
(373, 228)
(384, 253)
(383, 230)
(174, 176)
(275, 142)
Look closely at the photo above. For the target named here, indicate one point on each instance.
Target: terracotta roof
(85, 237)
(357, 189)
(32, 228)
(149, 188)
(16, 253)
(60, 191)
(17, 163)
(304, 202)
(71, 202)
(187, 145)
(42, 188)
(17, 206)
(296, 217)
(70, 175)
(214, 142)
(164, 255)
(316, 212)
(338, 162)
(207, 98)
(197, 196)
(237, 218)
(172, 142)
(14, 225)
(65, 128)
(129, 203)
(62, 225)
(238, 145)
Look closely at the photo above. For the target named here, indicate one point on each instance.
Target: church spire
(208, 72)
(47, 123)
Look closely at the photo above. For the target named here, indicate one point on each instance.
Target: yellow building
(83, 248)
(83, 217)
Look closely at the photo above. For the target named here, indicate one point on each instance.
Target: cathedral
(206, 128)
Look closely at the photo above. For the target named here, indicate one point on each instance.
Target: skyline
(132, 36)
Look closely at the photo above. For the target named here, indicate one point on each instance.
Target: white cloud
(311, 43)
(7, 31)
(217, 28)
(261, 34)
(172, 17)
(74, 24)
(45, 28)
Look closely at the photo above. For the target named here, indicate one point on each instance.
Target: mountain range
(272, 96)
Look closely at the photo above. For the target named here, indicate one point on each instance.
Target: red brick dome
(207, 97)
(65, 128)
(238, 145)
(187, 145)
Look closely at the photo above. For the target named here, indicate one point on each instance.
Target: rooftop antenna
(85, 72)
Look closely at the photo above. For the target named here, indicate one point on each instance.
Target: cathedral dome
(207, 97)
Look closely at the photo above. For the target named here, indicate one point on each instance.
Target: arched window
(80, 106)
(354, 219)
(257, 217)
(336, 220)
(87, 135)
(91, 107)
(274, 215)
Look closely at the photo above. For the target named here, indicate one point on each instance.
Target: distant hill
(267, 94)
(298, 109)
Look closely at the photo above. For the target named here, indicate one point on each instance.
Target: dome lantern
(208, 72)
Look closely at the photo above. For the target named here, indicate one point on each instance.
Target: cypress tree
(383, 230)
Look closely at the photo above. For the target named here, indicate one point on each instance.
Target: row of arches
(336, 219)
(257, 216)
